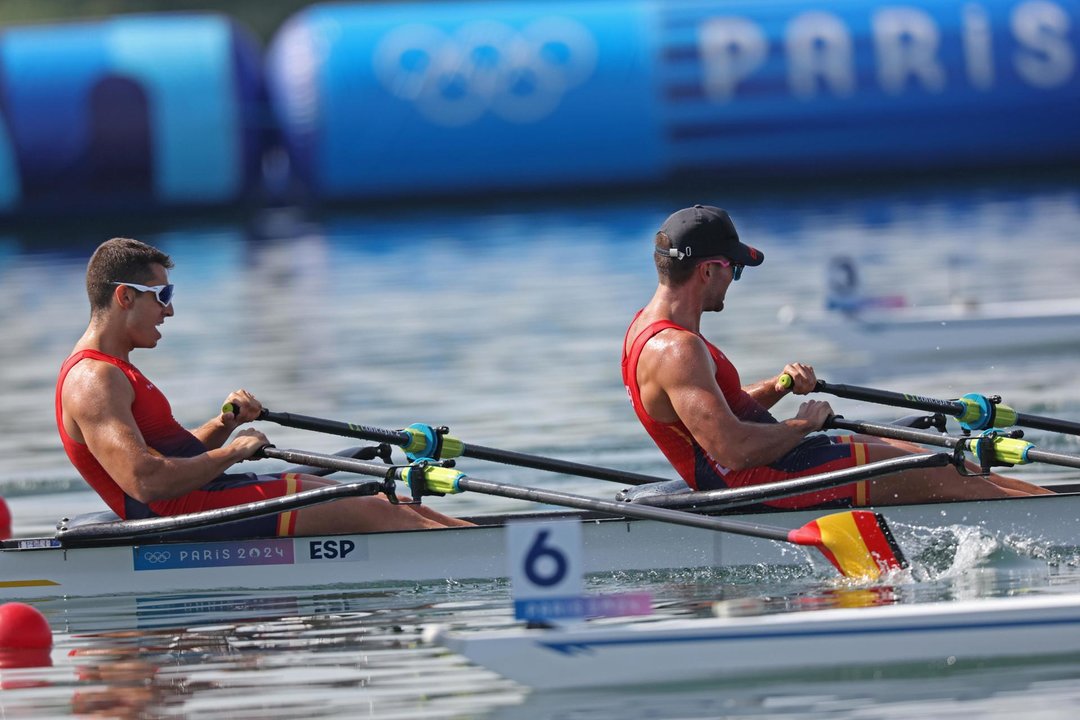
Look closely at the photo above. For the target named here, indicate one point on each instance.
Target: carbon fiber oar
(858, 543)
(421, 441)
(726, 498)
(973, 411)
(997, 449)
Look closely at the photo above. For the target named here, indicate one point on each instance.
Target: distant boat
(887, 326)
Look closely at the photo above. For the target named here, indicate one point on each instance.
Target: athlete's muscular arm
(679, 375)
(97, 400)
(769, 391)
(216, 431)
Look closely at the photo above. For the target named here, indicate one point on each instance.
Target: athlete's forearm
(756, 444)
(214, 432)
(765, 393)
(157, 478)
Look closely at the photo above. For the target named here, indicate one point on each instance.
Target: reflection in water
(269, 655)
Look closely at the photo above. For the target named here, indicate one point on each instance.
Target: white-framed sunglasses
(163, 293)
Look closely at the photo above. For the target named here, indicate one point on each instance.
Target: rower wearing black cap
(718, 433)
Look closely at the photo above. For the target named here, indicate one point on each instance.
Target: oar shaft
(895, 432)
(479, 452)
(640, 512)
(1006, 416)
(727, 498)
(925, 437)
(1038, 422)
(363, 432)
(1053, 458)
(858, 543)
(401, 438)
(550, 497)
(885, 397)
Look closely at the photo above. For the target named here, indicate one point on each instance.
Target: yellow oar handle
(785, 381)
(1011, 451)
(436, 480)
(229, 408)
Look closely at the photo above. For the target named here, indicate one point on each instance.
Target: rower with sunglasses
(118, 429)
(716, 432)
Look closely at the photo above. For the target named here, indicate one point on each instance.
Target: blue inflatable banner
(402, 99)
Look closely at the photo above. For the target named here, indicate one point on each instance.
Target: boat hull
(39, 567)
(711, 649)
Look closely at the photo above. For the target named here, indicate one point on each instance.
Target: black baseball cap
(704, 231)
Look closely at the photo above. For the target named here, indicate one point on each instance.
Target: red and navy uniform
(815, 454)
(165, 436)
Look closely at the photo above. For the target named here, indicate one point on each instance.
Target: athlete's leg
(365, 514)
(939, 483)
(1002, 481)
(875, 440)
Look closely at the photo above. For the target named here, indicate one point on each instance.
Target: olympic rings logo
(454, 79)
(155, 557)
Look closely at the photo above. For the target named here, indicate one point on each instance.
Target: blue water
(504, 320)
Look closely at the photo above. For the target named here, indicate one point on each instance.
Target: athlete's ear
(124, 296)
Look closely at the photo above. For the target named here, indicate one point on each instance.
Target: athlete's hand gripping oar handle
(973, 411)
(422, 441)
(1003, 450)
(858, 543)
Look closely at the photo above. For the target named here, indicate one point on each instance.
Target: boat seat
(667, 487)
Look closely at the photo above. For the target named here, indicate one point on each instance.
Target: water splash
(947, 551)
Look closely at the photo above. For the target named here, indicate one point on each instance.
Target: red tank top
(154, 418)
(674, 439)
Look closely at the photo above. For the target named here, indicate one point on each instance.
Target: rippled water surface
(504, 323)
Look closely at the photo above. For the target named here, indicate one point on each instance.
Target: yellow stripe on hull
(26, 583)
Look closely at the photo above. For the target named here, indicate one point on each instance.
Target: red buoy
(5, 520)
(23, 627)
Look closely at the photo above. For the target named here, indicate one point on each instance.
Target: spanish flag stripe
(878, 539)
(287, 520)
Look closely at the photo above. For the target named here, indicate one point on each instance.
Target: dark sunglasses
(736, 269)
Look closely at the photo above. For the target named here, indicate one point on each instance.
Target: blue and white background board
(546, 576)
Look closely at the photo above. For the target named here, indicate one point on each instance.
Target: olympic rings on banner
(485, 66)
